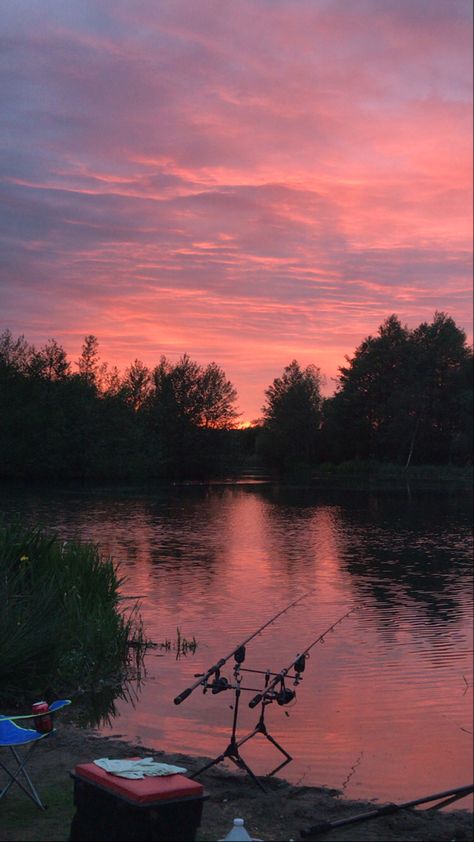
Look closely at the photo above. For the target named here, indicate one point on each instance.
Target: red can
(42, 723)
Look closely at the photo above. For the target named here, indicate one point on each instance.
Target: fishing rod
(285, 695)
(238, 653)
(449, 796)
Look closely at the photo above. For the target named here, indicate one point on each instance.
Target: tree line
(404, 396)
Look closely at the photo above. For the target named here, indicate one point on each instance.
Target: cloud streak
(248, 183)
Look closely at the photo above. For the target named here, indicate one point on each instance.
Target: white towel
(136, 769)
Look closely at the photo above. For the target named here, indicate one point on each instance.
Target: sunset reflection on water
(384, 709)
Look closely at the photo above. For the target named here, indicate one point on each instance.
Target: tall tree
(186, 409)
(217, 398)
(374, 387)
(136, 385)
(50, 362)
(88, 362)
(292, 416)
(14, 353)
(402, 395)
(110, 381)
(202, 396)
(442, 360)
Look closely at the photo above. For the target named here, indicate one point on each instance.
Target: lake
(384, 710)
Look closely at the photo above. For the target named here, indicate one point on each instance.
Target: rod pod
(299, 660)
(238, 652)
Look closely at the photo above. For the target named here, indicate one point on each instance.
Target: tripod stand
(232, 750)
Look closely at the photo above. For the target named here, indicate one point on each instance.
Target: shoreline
(279, 814)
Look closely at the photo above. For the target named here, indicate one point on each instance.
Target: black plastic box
(105, 815)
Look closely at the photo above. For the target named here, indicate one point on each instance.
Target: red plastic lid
(144, 791)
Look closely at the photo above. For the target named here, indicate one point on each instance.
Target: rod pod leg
(261, 728)
(232, 750)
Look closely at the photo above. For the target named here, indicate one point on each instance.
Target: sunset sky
(248, 182)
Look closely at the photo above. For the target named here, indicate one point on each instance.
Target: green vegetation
(404, 397)
(292, 418)
(166, 423)
(62, 628)
(21, 819)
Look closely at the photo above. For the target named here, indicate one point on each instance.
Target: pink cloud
(248, 187)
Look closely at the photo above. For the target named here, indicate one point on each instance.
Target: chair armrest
(55, 706)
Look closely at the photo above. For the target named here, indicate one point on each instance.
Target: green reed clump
(61, 625)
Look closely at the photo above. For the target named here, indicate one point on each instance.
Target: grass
(21, 819)
(62, 626)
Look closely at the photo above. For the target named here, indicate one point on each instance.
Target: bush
(61, 625)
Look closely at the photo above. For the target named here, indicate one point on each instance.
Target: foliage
(61, 626)
(96, 424)
(88, 362)
(187, 409)
(201, 396)
(136, 385)
(403, 396)
(292, 416)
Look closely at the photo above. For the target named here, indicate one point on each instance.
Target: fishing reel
(219, 684)
(282, 696)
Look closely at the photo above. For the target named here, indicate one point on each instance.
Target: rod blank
(238, 651)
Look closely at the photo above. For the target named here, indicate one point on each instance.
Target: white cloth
(136, 769)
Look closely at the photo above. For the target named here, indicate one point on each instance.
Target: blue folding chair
(12, 736)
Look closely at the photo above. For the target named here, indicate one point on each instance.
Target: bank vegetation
(404, 398)
(64, 627)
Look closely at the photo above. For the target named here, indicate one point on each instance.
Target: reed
(182, 645)
(62, 627)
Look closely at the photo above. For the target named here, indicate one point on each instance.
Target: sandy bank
(280, 814)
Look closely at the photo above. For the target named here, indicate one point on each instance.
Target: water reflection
(100, 709)
(409, 556)
(385, 706)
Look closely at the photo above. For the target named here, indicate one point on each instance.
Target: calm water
(385, 707)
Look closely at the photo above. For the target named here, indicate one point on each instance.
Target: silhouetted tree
(374, 388)
(291, 417)
(109, 380)
(186, 408)
(50, 362)
(14, 354)
(217, 397)
(136, 385)
(442, 360)
(403, 395)
(203, 396)
(88, 362)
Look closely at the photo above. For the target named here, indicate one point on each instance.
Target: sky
(248, 182)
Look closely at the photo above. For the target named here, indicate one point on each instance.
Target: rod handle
(182, 696)
(255, 701)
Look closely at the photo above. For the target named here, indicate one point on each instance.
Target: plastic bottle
(238, 833)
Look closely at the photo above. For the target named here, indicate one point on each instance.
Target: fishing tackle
(239, 655)
(284, 696)
(274, 690)
(298, 664)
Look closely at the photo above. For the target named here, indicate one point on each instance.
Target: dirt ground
(280, 814)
